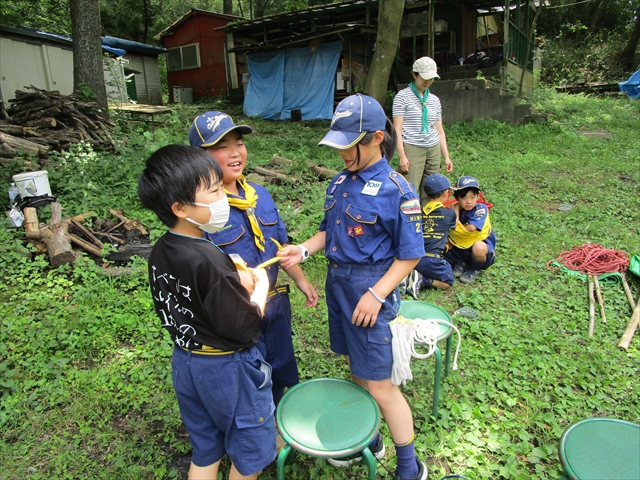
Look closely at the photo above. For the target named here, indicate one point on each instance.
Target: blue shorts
(369, 348)
(457, 255)
(435, 268)
(276, 343)
(226, 405)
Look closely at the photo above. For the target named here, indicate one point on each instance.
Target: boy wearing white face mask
(219, 375)
(253, 224)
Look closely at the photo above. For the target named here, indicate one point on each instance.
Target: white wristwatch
(304, 251)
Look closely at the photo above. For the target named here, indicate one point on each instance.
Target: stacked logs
(38, 121)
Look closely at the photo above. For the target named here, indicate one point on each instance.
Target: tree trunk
(145, 7)
(227, 7)
(596, 17)
(389, 19)
(626, 57)
(87, 50)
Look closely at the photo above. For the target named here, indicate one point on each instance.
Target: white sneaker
(414, 284)
(403, 285)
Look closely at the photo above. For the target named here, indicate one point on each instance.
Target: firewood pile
(38, 121)
(127, 237)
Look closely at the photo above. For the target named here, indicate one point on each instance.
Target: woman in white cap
(417, 118)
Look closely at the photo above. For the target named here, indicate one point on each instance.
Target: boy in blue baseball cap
(472, 241)
(254, 232)
(433, 270)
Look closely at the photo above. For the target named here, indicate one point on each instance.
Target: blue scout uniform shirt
(236, 236)
(371, 217)
(477, 216)
(435, 229)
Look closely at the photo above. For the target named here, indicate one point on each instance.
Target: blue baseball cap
(436, 183)
(355, 116)
(466, 181)
(207, 129)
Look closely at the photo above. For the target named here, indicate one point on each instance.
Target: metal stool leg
(370, 460)
(447, 356)
(436, 383)
(282, 458)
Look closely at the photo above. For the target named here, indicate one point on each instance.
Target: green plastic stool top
(413, 309)
(330, 418)
(601, 449)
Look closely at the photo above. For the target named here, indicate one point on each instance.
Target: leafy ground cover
(85, 388)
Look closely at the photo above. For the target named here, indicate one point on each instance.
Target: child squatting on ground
(473, 243)
(433, 270)
(222, 383)
(254, 232)
(372, 236)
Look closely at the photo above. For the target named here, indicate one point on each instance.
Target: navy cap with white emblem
(355, 116)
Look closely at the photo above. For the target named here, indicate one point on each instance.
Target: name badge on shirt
(371, 188)
(338, 182)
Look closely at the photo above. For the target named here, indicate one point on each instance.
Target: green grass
(85, 389)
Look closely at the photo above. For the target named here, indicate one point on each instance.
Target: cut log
(88, 233)
(321, 172)
(130, 226)
(20, 144)
(46, 122)
(272, 175)
(53, 235)
(86, 246)
(124, 254)
(3, 112)
(19, 131)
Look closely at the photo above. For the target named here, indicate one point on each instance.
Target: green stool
(414, 309)
(329, 418)
(601, 448)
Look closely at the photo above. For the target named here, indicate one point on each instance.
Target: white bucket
(32, 184)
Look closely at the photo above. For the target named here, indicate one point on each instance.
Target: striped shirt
(407, 105)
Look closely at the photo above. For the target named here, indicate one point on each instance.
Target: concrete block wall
(465, 99)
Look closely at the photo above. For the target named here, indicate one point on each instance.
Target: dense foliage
(85, 388)
(582, 41)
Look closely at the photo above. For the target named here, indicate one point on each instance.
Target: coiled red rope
(592, 259)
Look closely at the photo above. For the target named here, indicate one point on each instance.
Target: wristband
(304, 252)
(381, 300)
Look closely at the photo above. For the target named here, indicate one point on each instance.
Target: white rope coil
(407, 334)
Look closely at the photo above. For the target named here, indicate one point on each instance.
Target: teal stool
(412, 309)
(601, 449)
(329, 418)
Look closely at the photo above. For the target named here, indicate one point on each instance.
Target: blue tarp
(296, 78)
(631, 86)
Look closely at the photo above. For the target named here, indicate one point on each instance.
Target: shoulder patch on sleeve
(401, 182)
(411, 207)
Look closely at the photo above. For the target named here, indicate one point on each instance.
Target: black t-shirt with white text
(198, 296)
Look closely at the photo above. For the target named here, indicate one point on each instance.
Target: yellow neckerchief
(431, 206)
(248, 205)
(463, 238)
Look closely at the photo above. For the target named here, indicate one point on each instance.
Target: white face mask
(219, 215)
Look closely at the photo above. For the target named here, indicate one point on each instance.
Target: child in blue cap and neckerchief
(372, 236)
(254, 232)
(473, 243)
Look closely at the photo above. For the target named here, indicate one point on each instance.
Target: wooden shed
(45, 60)
(452, 33)
(196, 57)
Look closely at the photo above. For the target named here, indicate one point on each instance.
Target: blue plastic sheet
(631, 86)
(296, 78)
